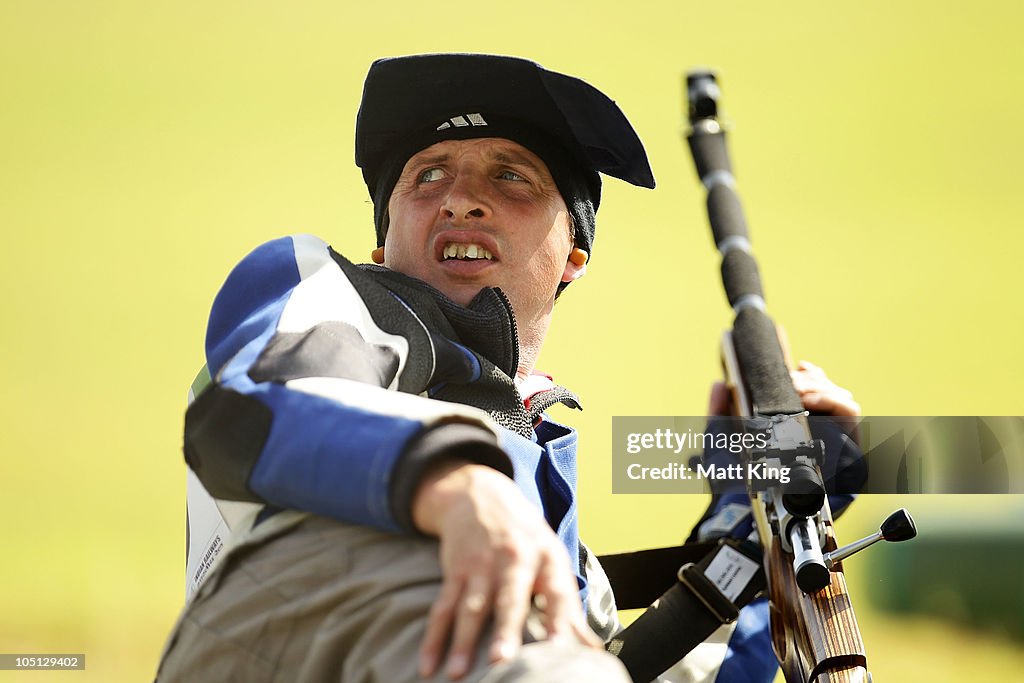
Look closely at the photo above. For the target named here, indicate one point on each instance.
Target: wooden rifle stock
(815, 636)
(814, 633)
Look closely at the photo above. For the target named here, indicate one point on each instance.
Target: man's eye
(511, 175)
(431, 175)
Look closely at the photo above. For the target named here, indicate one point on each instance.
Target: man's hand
(818, 393)
(729, 513)
(497, 553)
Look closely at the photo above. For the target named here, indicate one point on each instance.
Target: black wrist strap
(691, 610)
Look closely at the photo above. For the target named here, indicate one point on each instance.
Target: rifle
(814, 630)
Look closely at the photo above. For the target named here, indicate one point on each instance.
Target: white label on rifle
(731, 571)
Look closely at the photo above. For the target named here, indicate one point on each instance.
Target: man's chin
(460, 292)
(465, 295)
(458, 287)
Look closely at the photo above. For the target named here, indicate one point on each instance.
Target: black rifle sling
(706, 592)
(639, 578)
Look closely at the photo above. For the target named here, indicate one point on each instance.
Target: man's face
(468, 214)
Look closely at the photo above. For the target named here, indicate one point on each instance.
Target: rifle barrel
(758, 351)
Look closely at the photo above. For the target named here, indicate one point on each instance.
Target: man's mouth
(465, 251)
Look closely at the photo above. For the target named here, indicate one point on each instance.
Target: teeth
(466, 251)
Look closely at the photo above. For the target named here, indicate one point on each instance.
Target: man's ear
(575, 265)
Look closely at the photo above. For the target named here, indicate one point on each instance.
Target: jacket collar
(487, 326)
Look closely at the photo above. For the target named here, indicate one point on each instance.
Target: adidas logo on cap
(463, 121)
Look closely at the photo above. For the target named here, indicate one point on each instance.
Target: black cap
(410, 103)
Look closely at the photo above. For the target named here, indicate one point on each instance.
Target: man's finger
(562, 610)
(439, 625)
(811, 369)
(831, 404)
(511, 607)
(804, 382)
(471, 613)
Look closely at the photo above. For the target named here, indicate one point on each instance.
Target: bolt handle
(899, 526)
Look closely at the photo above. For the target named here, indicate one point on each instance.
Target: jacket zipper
(513, 328)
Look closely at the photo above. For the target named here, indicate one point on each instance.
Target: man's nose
(466, 199)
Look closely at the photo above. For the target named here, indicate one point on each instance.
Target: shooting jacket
(336, 385)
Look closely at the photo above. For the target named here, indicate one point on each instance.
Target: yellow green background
(145, 147)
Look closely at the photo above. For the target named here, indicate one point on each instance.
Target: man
(400, 405)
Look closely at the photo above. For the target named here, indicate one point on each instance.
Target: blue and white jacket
(335, 385)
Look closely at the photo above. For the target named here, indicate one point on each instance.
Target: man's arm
(302, 413)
